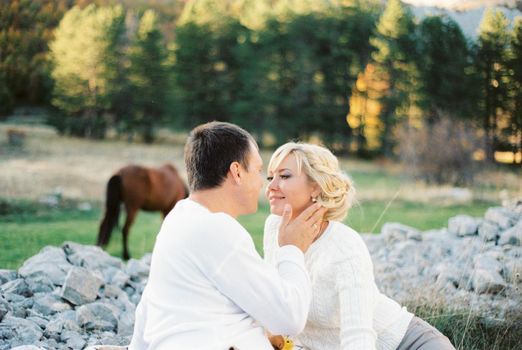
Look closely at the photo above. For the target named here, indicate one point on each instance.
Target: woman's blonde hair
(321, 167)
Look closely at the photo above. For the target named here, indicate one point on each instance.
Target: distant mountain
(468, 14)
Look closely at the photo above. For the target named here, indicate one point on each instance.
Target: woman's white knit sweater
(347, 310)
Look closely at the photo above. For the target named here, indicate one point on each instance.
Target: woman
(347, 310)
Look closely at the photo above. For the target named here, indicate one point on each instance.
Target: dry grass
(79, 169)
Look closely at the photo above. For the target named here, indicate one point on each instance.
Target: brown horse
(143, 188)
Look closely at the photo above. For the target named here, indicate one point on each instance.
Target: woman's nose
(272, 184)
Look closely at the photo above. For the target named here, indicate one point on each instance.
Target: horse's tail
(112, 210)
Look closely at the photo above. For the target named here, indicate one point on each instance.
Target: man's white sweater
(209, 289)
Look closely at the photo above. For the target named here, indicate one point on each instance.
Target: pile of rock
(475, 264)
(69, 298)
(76, 296)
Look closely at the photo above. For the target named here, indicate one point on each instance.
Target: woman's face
(287, 186)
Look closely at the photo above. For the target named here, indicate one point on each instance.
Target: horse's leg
(131, 215)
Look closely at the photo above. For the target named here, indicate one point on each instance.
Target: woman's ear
(316, 191)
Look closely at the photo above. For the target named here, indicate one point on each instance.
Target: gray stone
(487, 281)
(17, 286)
(90, 257)
(115, 276)
(395, 232)
(97, 316)
(503, 217)
(487, 262)
(65, 321)
(39, 283)
(81, 286)
(48, 304)
(27, 347)
(20, 331)
(463, 225)
(489, 231)
(50, 261)
(446, 274)
(137, 269)
(40, 321)
(53, 329)
(513, 271)
(126, 323)
(4, 307)
(7, 275)
(19, 304)
(512, 236)
(73, 339)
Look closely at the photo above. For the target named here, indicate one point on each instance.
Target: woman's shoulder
(347, 242)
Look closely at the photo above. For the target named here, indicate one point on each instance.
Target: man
(208, 288)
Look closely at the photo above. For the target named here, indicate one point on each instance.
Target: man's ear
(235, 171)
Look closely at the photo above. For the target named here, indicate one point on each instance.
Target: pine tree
(25, 30)
(83, 55)
(445, 56)
(515, 65)
(395, 65)
(149, 78)
(491, 62)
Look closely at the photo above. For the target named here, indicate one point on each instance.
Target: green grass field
(27, 227)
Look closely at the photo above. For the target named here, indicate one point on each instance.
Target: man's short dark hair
(209, 151)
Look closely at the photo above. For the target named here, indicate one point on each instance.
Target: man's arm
(277, 297)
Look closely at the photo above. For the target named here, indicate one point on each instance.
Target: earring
(314, 199)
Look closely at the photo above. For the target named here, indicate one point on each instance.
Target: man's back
(195, 297)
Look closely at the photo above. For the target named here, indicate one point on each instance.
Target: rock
(17, 286)
(81, 286)
(90, 257)
(489, 231)
(51, 262)
(396, 232)
(487, 281)
(463, 225)
(137, 269)
(28, 347)
(512, 236)
(48, 304)
(73, 339)
(20, 331)
(487, 262)
(4, 307)
(97, 316)
(39, 283)
(40, 321)
(513, 271)
(503, 217)
(7, 275)
(126, 323)
(115, 276)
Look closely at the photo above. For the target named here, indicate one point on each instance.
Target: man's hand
(301, 231)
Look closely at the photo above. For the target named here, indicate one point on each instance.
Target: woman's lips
(273, 199)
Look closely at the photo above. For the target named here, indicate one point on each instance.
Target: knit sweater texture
(347, 309)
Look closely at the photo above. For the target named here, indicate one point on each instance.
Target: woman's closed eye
(282, 176)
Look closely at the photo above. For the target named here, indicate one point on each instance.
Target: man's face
(253, 181)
